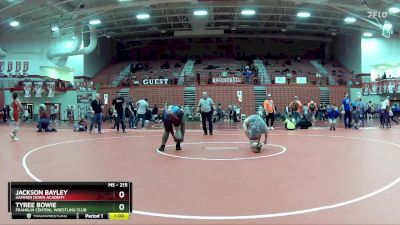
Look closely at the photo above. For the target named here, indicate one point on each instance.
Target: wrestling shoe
(259, 146)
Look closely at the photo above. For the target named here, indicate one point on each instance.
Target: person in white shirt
(385, 107)
(206, 107)
(142, 107)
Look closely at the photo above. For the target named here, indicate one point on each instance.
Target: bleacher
(154, 71)
(109, 73)
(340, 73)
(276, 68)
(209, 68)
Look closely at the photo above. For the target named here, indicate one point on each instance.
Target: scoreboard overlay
(70, 200)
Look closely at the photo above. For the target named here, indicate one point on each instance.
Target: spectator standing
(198, 78)
(142, 106)
(118, 104)
(4, 113)
(97, 109)
(333, 114)
(53, 114)
(312, 106)
(296, 108)
(385, 107)
(346, 106)
(289, 77)
(220, 113)
(269, 108)
(247, 76)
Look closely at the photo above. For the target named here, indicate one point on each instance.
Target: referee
(206, 107)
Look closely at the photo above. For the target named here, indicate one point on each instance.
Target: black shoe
(178, 147)
(211, 133)
(259, 146)
(205, 133)
(334, 128)
(330, 128)
(161, 148)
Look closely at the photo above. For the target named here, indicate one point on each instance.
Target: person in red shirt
(16, 106)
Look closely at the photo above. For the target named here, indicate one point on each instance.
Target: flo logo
(376, 14)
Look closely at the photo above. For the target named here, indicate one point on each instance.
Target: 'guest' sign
(155, 81)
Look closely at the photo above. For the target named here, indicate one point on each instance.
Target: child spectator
(356, 117)
(290, 123)
(333, 114)
(81, 125)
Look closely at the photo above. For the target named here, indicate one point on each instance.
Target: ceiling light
(394, 10)
(387, 26)
(283, 30)
(367, 34)
(54, 29)
(14, 23)
(393, 64)
(303, 14)
(95, 22)
(350, 20)
(200, 12)
(333, 33)
(382, 67)
(248, 12)
(142, 16)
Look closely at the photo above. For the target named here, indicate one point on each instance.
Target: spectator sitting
(44, 120)
(81, 125)
(303, 123)
(290, 123)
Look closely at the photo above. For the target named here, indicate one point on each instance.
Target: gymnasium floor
(312, 176)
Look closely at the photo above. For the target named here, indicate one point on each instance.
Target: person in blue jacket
(346, 104)
(333, 114)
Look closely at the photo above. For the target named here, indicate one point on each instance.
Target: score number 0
(121, 206)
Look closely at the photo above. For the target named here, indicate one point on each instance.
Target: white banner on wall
(38, 88)
(280, 80)
(301, 80)
(51, 89)
(27, 89)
